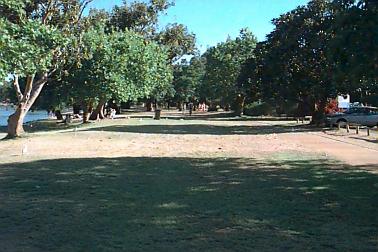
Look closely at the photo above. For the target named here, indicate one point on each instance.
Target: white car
(365, 116)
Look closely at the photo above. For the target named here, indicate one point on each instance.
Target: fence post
(358, 129)
(368, 131)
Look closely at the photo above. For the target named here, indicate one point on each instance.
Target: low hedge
(259, 109)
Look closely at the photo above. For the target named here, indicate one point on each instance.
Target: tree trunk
(87, 110)
(98, 113)
(319, 113)
(86, 115)
(239, 105)
(15, 122)
(25, 101)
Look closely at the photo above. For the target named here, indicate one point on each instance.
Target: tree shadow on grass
(193, 128)
(203, 129)
(164, 204)
(213, 116)
(44, 125)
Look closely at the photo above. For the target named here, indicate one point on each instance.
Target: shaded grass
(170, 204)
(45, 126)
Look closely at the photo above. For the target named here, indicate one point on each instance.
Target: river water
(6, 111)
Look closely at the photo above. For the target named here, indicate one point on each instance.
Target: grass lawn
(204, 204)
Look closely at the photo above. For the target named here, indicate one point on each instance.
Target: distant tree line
(55, 56)
(314, 53)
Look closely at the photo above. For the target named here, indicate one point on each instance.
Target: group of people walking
(202, 107)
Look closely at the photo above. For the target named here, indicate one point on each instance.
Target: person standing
(190, 107)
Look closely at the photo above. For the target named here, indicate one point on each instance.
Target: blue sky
(214, 20)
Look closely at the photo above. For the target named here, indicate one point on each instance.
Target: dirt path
(351, 151)
(194, 138)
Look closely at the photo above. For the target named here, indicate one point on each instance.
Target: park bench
(304, 118)
(68, 117)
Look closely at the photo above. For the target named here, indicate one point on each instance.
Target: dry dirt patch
(190, 138)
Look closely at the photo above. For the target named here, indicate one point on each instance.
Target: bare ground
(204, 136)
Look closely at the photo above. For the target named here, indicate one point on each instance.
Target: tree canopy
(315, 52)
(34, 42)
(188, 80)
(223, 65)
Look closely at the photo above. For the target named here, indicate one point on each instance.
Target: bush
(258, 109)
(371, 100)
(289, 108)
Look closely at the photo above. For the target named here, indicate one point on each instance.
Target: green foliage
(119, 65)
(297, 53)
(188, 80)
(289, 108)
(36, 36)
(315, 52)
(223, 65)
(178, 41)
(259, 109)
(28, 48)
(354, 48)
(140, 17)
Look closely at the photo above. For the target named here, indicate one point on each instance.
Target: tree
(292, 64)
(188, 79)
(317, 51)
(116, 65)
(354, 48)
(34, 41)
(247, 80)
(178, 40)
(140, 17)
(223, 65)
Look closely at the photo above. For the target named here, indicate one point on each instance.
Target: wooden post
(368, 131)
(347, 127)
(358, 129)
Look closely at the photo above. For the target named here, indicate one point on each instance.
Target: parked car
(366, 116)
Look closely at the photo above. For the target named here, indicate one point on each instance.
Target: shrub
(258, 109)
(290, 108)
